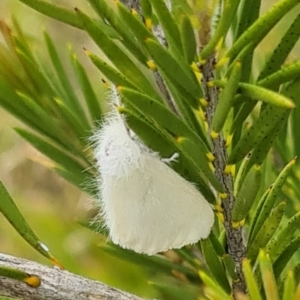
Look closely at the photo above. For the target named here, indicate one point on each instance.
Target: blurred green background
(51, 205)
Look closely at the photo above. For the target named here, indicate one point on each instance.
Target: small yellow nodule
(232, 172)
(210, 156)
(228, 169)
(151, 65)
(148, 23)
(214, 134)
(199, 76)
(220, 216)
(242, 222)
(210, 84)
(235, 225)
(202, 61)
(206, 127)
(221, 62)
(179, 139)
(238, 64)
(203, 102)
(229, 140)
(219, 44)
(218, 208)
(201, 114)
(33, 281)
(211, 166)
(134, 12)
(195, 67)
(223, 196)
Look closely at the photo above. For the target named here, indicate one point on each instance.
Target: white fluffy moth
(147, 207)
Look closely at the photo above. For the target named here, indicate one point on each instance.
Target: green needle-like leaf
(9, 209)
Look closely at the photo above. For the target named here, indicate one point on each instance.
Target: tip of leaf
(56, 262)
(105, 83)
(87, 52)
(291, 105)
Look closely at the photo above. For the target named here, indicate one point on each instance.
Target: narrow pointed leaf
(91, 99)
(252, 286)
(188, 39)
(9, 209)
(212, 288)
(281, 52)
(258, 30)
(267, 230)
(117, 56)
(268, 279)
(169, 26)
(57, 155)
(230, 8)
(289, 286)
(262, 126)
(271, 198)
(174, 70)
(285, 256)
(226, 98)
(62, 14)
(247, 194)
(70, 98)
(214, 264)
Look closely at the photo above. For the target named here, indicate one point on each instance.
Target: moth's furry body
(146, 205)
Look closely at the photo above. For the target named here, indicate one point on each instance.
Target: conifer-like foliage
(190, 83)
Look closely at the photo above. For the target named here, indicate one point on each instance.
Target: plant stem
(236, 247)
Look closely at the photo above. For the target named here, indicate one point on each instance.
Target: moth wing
(154, 209)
